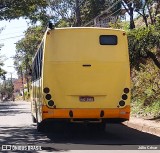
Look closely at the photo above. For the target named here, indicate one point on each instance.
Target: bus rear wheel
(40, 127)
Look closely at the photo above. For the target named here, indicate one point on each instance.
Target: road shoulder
(144, 125)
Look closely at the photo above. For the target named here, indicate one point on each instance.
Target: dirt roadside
(144, 125)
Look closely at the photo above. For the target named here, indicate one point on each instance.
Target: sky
(12, 33)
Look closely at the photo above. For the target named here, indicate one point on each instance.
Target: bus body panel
(37, 99)
(76, 65)
(90, 113)
(103, 81)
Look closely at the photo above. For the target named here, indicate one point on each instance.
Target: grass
(150, 111)
(145, 101)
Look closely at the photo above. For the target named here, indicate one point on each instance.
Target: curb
(143, 128)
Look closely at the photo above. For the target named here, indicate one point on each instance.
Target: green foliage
(146, 90)
(2, 72)
(120, 25)
(11, 9)
(26, 95)
(142, 41)
(145, 63)
(62, 23)
(142, 7)
(93, 8)
(66, 10)
(27, 47)
(62, 10)
(7, 87)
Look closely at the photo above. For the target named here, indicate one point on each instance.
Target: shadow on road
(24, 136)
(114, 134)
(76, 137)
(9, 108)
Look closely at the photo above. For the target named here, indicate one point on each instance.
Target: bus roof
(66, 28)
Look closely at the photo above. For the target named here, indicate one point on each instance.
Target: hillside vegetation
(144, 47)
(145, 99)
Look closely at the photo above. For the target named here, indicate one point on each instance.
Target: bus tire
(34, 119)
(40, 127)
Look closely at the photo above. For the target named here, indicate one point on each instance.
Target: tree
(94, 8)
(91, 9)
(34, 10)
(144, 44)
(144, 8)
(68, 11)
(153, 7)
(7, 88)
(141, 9)
(2, 72)
(129, 7)
(27, 47)
(79, 12)
(62, 10)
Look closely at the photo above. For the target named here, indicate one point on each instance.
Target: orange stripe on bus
(87, 113)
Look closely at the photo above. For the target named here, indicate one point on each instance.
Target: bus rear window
(108, 40)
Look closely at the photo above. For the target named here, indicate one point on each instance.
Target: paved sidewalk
(144, 125)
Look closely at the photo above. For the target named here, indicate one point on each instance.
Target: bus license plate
(86, 99)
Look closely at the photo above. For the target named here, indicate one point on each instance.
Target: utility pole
(22, 82)
(11, 87)
(27, 60)
(4, 83)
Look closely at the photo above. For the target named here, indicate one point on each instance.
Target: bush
(142, 43)
(146, 90)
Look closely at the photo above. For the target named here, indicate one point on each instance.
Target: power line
(116, 11)
(105, 11)
(108, 10)
(10, 33)
(5, 26)
(11, 37)
(19, 27)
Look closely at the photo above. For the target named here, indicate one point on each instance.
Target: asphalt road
(16, 128)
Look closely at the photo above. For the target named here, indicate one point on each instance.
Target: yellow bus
(81, 75)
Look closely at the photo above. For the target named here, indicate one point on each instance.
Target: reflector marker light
(48, 96)
(124, 96)
(51, 103)
(121, 103)
(126, 90)
(46, 90)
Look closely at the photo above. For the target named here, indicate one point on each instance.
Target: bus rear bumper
(92, 114)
